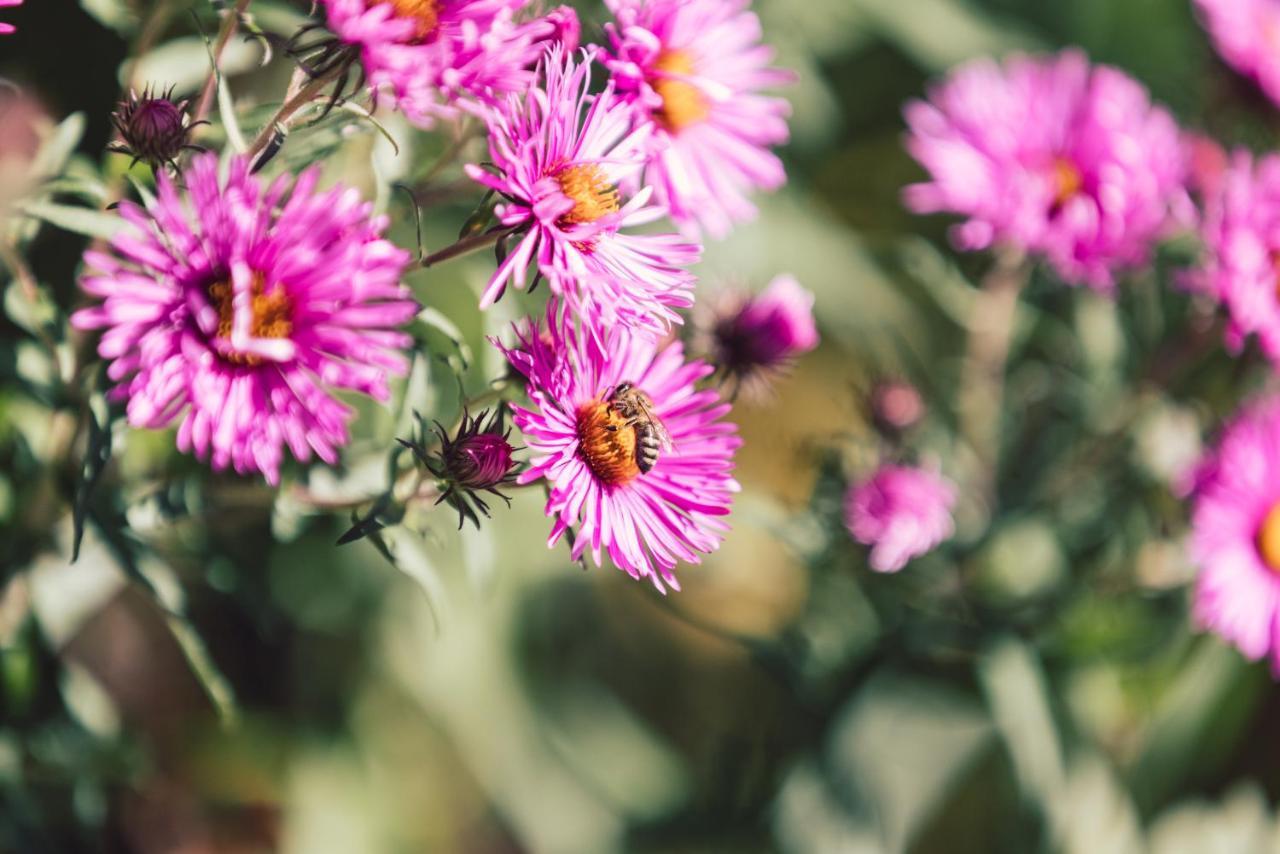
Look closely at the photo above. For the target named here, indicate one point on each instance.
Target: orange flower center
(683, 104)
(272, 314)
(1268, 538)
(424, 13)
(593, 196)
(609, 453)
(1067, 181)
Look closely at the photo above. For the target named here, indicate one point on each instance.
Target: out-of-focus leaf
(84, 221)
(227, 112)
(1241, 824)
(97, 456)
(1018, 698)
(431, 319)
(184, 62)
(1095, 814)
(52, 157)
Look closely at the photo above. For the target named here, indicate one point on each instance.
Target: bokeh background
(213, 674)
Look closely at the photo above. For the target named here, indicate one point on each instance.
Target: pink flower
(1246, 33)
(752, 338)
(560, 155)
(645, 520)
(901, 512)
(1241, 235)
(434, 55)
(1235, 534)
(694, 70)
(6, 29)
(237, 310)
(1051, 155)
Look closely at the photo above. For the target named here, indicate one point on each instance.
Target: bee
(651, 435)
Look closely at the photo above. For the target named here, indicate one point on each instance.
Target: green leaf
(57, 150)
(91, 223)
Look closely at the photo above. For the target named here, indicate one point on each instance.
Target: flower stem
(293, 103)
(991, 325)
(467, 245)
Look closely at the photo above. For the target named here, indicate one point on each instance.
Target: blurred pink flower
(646, 521)
(1052, 155)
(751, 338)
(1235, 534)
(6, 29)
(1246, 34)
(561, 153)
(901, 512)
(436, 55)
(238, 309)
(1241, 263)
(695, 70)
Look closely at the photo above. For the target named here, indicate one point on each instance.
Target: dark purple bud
(152, 128)
(478, 461)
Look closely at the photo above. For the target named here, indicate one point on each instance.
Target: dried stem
(296, 99)
(467, 245)
(229, 24)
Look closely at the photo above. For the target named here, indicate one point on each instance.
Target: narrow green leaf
(90, 223)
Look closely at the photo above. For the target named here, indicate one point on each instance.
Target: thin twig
(467, 245)
(280, 121)
(228, 29)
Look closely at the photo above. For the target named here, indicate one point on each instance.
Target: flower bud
(750, 339)
(896, 405)
(478, 461)
(152, 128)
(478, 458)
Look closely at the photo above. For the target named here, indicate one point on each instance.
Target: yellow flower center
(609, 453)
(1067, 181)
(272, 314)
(424, 13)
(593, 196)
(1268, 538)
(683, 104)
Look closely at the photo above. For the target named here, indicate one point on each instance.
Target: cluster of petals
(1240, 230)
(901, 512)
(236, 308)
(434, 56)
(694, 71)
(645, 522)
(1052, 155)
(6, 29)
(1246, 33)
(559, 156)
(1235, 533)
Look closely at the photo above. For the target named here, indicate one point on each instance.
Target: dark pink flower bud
(478, 458)
(478, 461)
(152, 128)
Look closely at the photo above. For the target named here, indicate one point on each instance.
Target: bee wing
(665, 442)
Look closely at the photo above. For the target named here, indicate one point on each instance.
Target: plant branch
(293, 102)
(230, 22)
(467, 245)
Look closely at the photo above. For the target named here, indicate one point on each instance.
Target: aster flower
(1235, 534)
(901, 512)
(587, 452)
(6, 29)
(1245, 34)
(435, 55)
(1051, 155)
(153, 128)
(478, 458)
(751, 339)
(238, 310)
(1240, 230)
(560, 156)
(694, 71)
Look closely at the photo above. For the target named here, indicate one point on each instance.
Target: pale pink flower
(1246, 34)
(901, 513)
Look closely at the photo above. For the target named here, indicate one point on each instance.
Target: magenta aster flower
(752, 338)
(1051, 155)
(433, 55)
(1235, 534)
(694, 70)
(561, 155)
(901, 512)
(596, 463)
(239, 310)
(6, 29)
(1241, 235)
(1246, 34)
